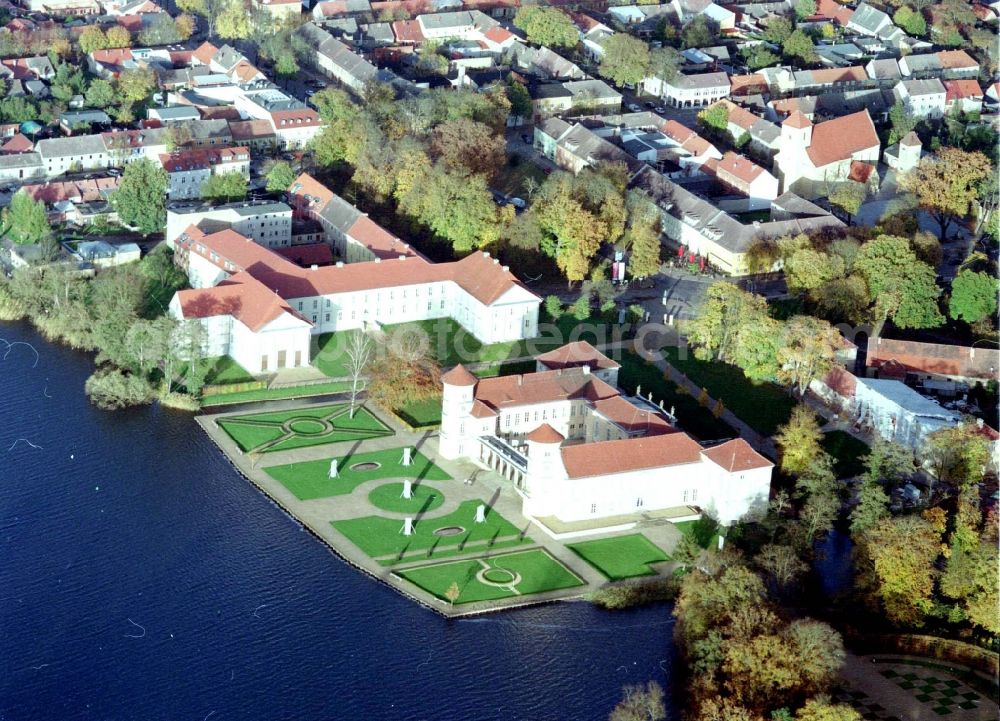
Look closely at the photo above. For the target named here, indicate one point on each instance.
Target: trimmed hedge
(224, 388)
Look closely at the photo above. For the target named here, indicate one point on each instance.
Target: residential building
(812, 157)
(544, 63)
(746, 178)
(574, 147)
(280, 10)
(352, 234)
(869, 20)
(577, 449)
(187, 170)
(336, 60)
(923, 98)
(966, 95)
(265, 222)
(702, 229)
(690, 91)
(764, 135)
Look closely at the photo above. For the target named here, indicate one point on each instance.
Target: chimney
(586, 370)
(486, 254)
(340, 264)
(506, 269)
(378, 260)
(402, 257)
(980, 423)
(313, 267)
(496, 261)
(519, 379)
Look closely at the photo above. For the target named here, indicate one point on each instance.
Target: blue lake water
(142, 578)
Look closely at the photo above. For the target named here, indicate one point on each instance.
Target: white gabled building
(577, 449)
(690, 91)
(227, 271)
(266, 222)
(187, 170)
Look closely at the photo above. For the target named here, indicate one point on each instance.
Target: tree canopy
(141, 196)
(947, 183)
(973, 296)
(547, 26)
(626, 59)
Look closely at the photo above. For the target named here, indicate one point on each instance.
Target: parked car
(633, 108)
(518, 203)
(114, 172)
(659, 109)
(526, 138)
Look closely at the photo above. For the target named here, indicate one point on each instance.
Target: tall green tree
(640, 703)
(799, 46)
(226, 187)
(806, 351)
(701, 32)
(848, 197)
(665, 63)
(26, 220)
(280, 177)
(141, 196)
(902, 287)
(626, 59)
(805, 9)
(910, 20)
(547, 26)
(973, 296)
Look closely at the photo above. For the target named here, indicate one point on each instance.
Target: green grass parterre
(279, 431)
(539, 572)
(310, 479)
(620, 557)
(389, 497)
(378, 536)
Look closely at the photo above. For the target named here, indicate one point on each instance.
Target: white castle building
(577, 449)
(261, 309)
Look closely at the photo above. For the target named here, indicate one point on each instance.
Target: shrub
(635, 593)
(111, 389)
(581, 308)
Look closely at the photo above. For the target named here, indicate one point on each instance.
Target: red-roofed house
(833, 10)
(577, 449)
(108, 64)
(17, 144)
(188, 169)
(965, 93)
(814, 156)
(747, 178)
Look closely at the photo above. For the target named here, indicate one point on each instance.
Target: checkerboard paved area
(900, 689)
(944, 695)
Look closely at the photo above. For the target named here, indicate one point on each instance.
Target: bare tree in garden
(359, 355)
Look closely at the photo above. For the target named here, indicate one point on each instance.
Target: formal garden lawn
(421, 414)
(848, 452)
(621, 556)
(378, 536)
(692, 417)
(538, 571)
(311, 479)
(302, 427)
(422, 498)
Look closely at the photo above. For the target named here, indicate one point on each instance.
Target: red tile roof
(201, 158)
(546, 386)
(834, 11)
(303, 117)
(307, 255)
(84, 191)
(685, 137)
(219, 112)
(545, 434)
(961, 89)
(956, 60)
(408, 31)
(459, 376)
(112, 56)
(632, 419)
(205, 52)
(632, 454)
(379, 241)
(17, 144)
(735, 456)
(797, 120)
(574, 355)
(242, 297)
(250, 129)
(498, 34)
(840, 138)
(747, 84)
(734, 166)
(308, 193)
(935, 358)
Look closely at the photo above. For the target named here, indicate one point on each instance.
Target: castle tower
(909, 152)
(796, 137)
(456, 407)
(545, 470)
